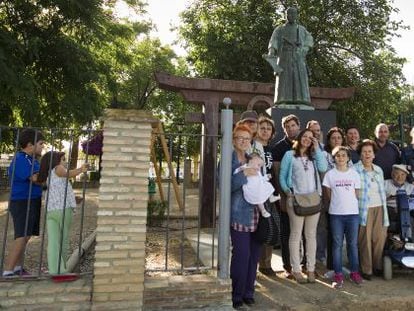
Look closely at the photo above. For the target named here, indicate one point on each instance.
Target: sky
(405, 44)
(165, 13)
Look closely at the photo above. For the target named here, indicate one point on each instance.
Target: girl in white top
(60, 201)
(341, 185)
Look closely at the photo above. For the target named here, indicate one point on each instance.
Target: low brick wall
(119, 268)
(44, 294)
(186, 292)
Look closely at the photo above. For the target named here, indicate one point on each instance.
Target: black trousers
(284, 240)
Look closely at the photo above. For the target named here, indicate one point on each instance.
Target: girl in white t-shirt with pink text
(341, 185)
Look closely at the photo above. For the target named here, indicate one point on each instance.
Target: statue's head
(292, 14)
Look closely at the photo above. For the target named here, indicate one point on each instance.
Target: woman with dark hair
(298, 171)
(373, 214)
(60, 201)
(334, 138)
(243, 219)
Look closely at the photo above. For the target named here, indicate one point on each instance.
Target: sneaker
(329, 275)
(237, 305)
(367, 277)
(288, 275)
(22, 272)
(249, 301)
(338, 280)
(356, 277)
(8, 274)
(267, 271)
(378, 272)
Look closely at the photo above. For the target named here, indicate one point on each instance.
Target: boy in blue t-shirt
(25, 198)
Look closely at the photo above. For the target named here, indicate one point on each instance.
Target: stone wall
(120, 250)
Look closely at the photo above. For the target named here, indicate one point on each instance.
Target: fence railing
(176, 241)
(44, 221)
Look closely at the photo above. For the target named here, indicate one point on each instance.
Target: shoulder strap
(314, 173)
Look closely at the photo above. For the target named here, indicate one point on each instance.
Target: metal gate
(176, 242)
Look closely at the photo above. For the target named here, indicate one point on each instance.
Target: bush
(94, 176)
(155, 211)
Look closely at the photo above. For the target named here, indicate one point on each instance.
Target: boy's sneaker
(356, 277)
(338, 280)
(8, 274)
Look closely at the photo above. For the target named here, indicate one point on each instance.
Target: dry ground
(273, 293)
(180, 252)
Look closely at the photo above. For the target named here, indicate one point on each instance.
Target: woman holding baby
(243, 219)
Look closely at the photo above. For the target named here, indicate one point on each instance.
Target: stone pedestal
(326, 119)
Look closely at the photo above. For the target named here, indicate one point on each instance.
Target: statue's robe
(291, 43)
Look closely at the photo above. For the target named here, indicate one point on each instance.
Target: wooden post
(157, 169)
(158, 130)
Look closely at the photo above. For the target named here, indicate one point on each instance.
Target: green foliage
(49, 74)
(156, 211)
(63, 62)
(226, 38)
(139, 89)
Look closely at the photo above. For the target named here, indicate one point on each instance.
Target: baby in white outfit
(258, 189)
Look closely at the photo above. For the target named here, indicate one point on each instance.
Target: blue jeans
(347, 225)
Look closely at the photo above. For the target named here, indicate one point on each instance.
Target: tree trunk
(75, 154)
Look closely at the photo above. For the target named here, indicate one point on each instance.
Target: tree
(52, 59)
(226, 38)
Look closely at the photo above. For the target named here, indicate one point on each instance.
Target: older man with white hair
(388, 153)
(398, 182)
(392, 186)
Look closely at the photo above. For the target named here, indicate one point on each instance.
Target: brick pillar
(120, 251)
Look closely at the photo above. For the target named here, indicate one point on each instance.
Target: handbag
(308, 204)
(268, 231)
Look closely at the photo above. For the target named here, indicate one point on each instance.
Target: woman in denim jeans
(341, 186)
(243, 218)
